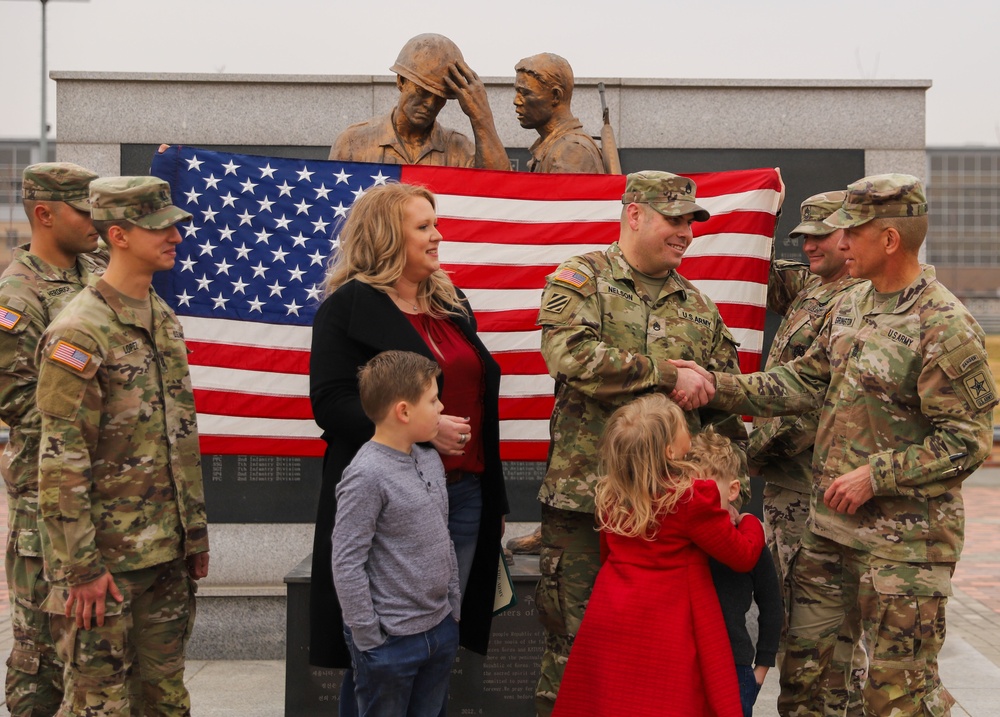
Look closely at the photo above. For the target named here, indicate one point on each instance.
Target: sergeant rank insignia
(70, 355)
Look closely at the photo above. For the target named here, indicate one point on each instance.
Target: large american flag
(249, 276)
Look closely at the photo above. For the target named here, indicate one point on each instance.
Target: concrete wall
(99, 111)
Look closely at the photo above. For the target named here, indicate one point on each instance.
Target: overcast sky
(954, 44)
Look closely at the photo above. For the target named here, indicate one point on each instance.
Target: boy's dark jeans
(405, 675)
(748, 688)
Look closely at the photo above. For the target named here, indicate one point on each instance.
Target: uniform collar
(542, 144)
(825, 293)
(906, 298)
(46, 271)
(622, 271)
(125, 313)
(388, 138)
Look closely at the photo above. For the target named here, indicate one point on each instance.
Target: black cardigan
(353, 325)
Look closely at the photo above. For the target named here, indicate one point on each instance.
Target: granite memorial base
(500, 685)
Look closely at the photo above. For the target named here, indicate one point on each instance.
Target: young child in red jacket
(653, 640)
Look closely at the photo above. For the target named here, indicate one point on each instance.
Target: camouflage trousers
(570, 559)
(150, 626)
(34, 671)
(899, 608)
(785, 514)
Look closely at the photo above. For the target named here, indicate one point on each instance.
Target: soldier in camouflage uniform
(121, 498)
(899, 371)
(610, 321)
(781, 448)
(41, 280)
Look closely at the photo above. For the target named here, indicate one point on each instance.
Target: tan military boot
(530, 544)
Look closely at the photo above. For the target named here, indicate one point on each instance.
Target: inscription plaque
(261, 489)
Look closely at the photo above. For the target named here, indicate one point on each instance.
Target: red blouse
(464, 384)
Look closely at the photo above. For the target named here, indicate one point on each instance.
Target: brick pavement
(975, 610)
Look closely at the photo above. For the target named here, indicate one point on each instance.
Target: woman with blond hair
(386, 290)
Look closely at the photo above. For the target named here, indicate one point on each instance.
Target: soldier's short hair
(391, 377)
(104, 226)
(912, 230)
(714, 456)
(551, 70)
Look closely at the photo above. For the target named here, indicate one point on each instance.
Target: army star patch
(70, 355)
(571, 277)
(8, 318)
(980, 389)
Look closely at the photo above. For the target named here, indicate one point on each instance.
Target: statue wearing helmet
(430, 70)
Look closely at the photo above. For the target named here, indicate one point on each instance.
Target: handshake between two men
(696, 387)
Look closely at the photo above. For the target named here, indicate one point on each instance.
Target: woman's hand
(453, 435)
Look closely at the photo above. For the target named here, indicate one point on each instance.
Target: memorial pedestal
(500, 685)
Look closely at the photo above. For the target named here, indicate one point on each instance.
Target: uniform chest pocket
(131, 364)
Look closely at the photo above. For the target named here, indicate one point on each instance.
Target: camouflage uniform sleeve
(725, 358)
(785, 280)
(579, 349)
(69, 399)
(957, 393)
(19, 335)
(798, 386)
(775, 440)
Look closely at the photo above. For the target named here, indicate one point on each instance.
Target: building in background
(15, 155)
(963, 187)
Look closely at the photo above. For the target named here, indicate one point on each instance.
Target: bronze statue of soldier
(543, 89)
(430, 70)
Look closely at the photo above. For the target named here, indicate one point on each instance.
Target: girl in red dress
(653, 640)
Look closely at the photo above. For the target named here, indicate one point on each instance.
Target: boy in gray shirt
(394, 565)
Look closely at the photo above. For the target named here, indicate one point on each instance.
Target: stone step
(239, 622)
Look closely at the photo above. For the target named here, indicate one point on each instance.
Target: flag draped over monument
(250, 271)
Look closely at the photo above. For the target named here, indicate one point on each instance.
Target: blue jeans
(465, 509)
(749, 689)
(407, 675)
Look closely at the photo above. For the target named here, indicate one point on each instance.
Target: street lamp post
(43, 145)
(43, 142)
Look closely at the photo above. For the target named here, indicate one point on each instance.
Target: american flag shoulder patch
(70, 355)
(8, 318)
(571, 277)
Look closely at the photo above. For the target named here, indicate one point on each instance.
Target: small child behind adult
(653, 640)
(394, 564)
(714, 458)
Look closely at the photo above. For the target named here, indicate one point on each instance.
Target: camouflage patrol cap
(58, 182)
(668, 194)
(878, 197)
(143, 201)
(814, 210)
